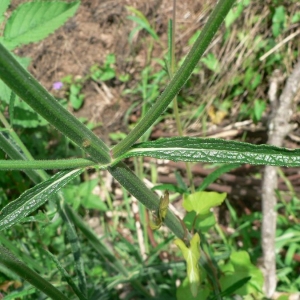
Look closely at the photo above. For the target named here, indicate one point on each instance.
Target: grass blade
(76, 250)
(65, 275)
(11, 262)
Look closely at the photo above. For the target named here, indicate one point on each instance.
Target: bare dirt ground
(98, 29)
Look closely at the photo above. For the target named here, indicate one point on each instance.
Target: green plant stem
(137, 188)
(179, 79)
(139, 170)
(9, 143)
(12, 263)
(36, 96)
(75, 163)
(12, 149)
(175, 102)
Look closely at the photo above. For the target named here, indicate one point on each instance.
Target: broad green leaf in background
(278, 21)
(192, 256)
(3, 7)
(33, 198)
(259, 108)
(211, 62)
(215, 150)
(82, 194)
(235, 12)
(33, 21)
(183, 292)
(296, 17)
(240, 267)
(202, 202)
(202, 223)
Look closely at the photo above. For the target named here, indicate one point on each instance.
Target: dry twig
(278, 129)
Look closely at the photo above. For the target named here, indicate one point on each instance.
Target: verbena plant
(100, 156)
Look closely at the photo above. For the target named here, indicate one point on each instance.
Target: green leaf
(142, 21)
(234, 13)
(278, 21)
(3, 7)
(203, 222)
(33, 21)
(184, 292)
(295, 17)
(215, 175)
(192, 256)
(259, 108)
(84, 192)
(240, 267)
(211, 62)
(202, 202)
(33, 198)
(229, 291)
(144, 25)
(215, 150)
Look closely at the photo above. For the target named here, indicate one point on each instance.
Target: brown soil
(98, 29)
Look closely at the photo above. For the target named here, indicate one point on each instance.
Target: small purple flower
(57, 85)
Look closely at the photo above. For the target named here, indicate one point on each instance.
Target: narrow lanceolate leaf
(33, 21)
(11, 262)
(33, 198)
(216, 151)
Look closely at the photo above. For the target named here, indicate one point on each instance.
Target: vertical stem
(179, 79)
(278, 128)
(175, 103)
